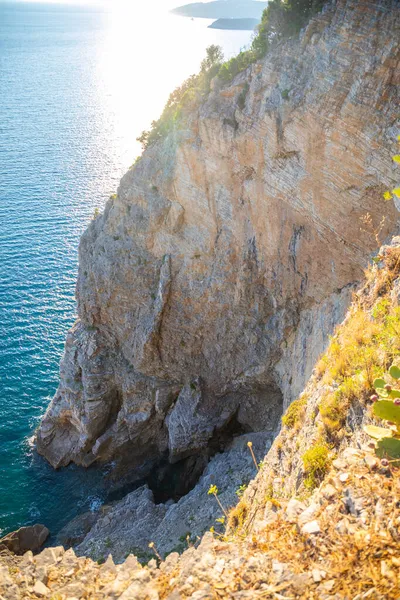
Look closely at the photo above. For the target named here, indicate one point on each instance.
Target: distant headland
(223, 9)
(235, 24)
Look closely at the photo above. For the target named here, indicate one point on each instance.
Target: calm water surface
(77, 86)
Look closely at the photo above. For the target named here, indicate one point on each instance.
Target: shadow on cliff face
(173, 481)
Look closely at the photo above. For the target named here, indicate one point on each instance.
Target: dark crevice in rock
(173, 481)
(114, 410)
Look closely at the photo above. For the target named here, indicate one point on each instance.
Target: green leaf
(383, 393)
(389, 448)
(377, 432)
(394, 394)
(379, 383)
(386, 409)
(394, 372)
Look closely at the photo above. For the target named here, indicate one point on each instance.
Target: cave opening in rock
(173, 481)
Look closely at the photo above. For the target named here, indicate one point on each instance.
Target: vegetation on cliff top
(280, 20)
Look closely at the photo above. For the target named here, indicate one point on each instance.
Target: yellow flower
(396, 192)
(387, 196)
(396, 158)
(213, 490)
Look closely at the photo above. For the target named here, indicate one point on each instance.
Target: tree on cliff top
(280, 20)
(183, 96)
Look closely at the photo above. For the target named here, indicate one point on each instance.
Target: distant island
(235, 24)
(223, 9)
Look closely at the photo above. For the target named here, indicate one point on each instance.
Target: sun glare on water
(145, 53)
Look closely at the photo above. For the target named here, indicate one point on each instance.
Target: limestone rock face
(210, 284)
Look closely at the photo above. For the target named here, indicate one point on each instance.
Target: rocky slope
(336, 539)
(211, 282)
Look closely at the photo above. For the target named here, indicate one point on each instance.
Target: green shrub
(193, 89)
(295, 412)
(316, 463)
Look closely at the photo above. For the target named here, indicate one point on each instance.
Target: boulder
(24, 539)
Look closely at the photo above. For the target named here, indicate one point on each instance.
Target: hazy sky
(166, 4)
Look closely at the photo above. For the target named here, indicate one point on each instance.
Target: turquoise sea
(77, 86)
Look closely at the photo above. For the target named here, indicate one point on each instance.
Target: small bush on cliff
(295, 412)
(316, 463)
(362, 349)
(194, 88)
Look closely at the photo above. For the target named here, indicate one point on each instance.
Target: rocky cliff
(320, 521)
(211, 282)
(207, 290)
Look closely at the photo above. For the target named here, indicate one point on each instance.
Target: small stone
(300, 582)
(352, 455)
(318, 575)
(27, 559)
(342, 527)
(152, 564)
(278, 567)
(293, 509)
(40, 589)
(132, 563)
(219, 566)
(307, 515)
(385, 570)
(327, 586)
(343, 477)
(311, 528)
(329, 492)
(70, 573)
(108, 566)
(50, 556)
(339, 464)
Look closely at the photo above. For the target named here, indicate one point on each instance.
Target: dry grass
(364, 558)
(238, 516)
(362, 348)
